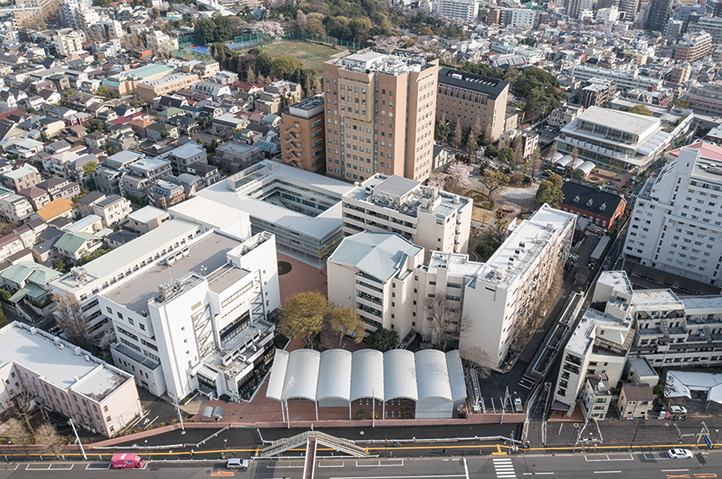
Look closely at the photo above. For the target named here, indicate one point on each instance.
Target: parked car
(679, 454)
(237, 464)
(677, 410)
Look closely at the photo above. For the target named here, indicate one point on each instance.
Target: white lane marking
(61, 468)
(330, 464)
(675, 470)
(607, 472)
(271, 466)
(28, 468)
(525, 386)
(543, 473)
(385, 464)
(625, 457)
(97, 467)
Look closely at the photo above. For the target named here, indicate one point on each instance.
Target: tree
(205, 30)
(640, 110)
(301, 20)
(71, 318)
(578, 175)
(552, 150)
(550, 191)
(345, 322)
(460, 175)
(682, 103)
(21, 406)
(491, 151)
(477, 359)
(89, 168)
(441, 133)
(493, 236)
(444, 320)
(493, 181)
(506, 155)
(383, 339)
(48, 437)
(108, 336)
(164, 133)
(457, 136)
(535, 162)
(518, 147)
(303, 315)
(575, 153)
(268, 27)
(18, 433)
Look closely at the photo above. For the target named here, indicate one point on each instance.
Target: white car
(677, 410)
(679, 454)
(237, 464)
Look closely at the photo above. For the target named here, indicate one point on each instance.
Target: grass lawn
(311, 54)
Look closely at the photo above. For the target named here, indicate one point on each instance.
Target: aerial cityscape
(361, 239)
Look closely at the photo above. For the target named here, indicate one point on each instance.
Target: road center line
(675, 470)
(607, 472)
(543, 473)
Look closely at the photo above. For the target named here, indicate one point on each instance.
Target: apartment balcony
(369, 310)
(368, 289)
(365, 297)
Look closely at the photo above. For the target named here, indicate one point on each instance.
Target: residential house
(85, 204)
(235, 156)
(113, 209)
(123, 139)
(15, 208)
(166, 194)
(29, 284)
(74, 246)
(147, 218)
(635, 401)
(9, 245)
(185, 155)
(38, 197)
(602, 208)
(60, 207)
(97, 139)
(119, 238)
(60, 187)
(22, 178)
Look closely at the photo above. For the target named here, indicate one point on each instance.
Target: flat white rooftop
(639, 125)
(662, 298)
(117, 260)
(266, 172)
(63, 368)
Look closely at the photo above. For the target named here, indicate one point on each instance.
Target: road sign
(708, 442)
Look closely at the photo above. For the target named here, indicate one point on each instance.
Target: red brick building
(601, 207)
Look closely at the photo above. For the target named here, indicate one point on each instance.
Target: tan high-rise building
(470, 99)
(302, 138)
(380, 112)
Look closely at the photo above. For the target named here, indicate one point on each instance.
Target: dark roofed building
(467, 98)
(600, 207)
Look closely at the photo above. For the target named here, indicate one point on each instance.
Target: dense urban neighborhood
(361, 238)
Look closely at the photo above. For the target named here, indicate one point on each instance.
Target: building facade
(380, 112)
(676, 224)
(465, 10)
(435, 220)
(302, 135)
(692, 47)
(472, 100)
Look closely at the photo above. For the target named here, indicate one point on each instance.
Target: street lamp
(639, 423)
(70, 421)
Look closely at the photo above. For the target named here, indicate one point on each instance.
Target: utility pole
(70, 421)
(180, 416)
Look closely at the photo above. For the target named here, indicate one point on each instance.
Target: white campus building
(68, 379)
(198, 319)
(676, 225)
(433, 219)
(466, 10)
(302, 209)
(383, 278)
(619, 141)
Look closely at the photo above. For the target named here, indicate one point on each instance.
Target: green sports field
(311, 54)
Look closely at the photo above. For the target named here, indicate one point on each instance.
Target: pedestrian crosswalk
(504, 468)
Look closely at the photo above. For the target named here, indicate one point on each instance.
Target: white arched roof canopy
(302, 374)
(432, 374)
(456, 375)
(278, 375)
(400, 375)
(367, 374)
(334, 375)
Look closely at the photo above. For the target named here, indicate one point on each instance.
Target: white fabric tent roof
(278, 375)
(432, 374)
(302, 374)
(339, 374)
(334, 375)
(400, 375)
(682, 383)
(367, 374)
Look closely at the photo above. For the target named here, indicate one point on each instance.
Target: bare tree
(457, 136)
(478, 359)
(21, 406)
(70, 316)
(445, 321)
(16, 431)
(108, 335)
(535, 162)
(48, 436)
(438, 180)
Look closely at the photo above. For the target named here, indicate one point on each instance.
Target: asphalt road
(627, 466)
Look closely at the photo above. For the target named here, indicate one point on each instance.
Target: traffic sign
(708, 441)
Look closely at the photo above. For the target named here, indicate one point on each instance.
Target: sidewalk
(624, 434)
